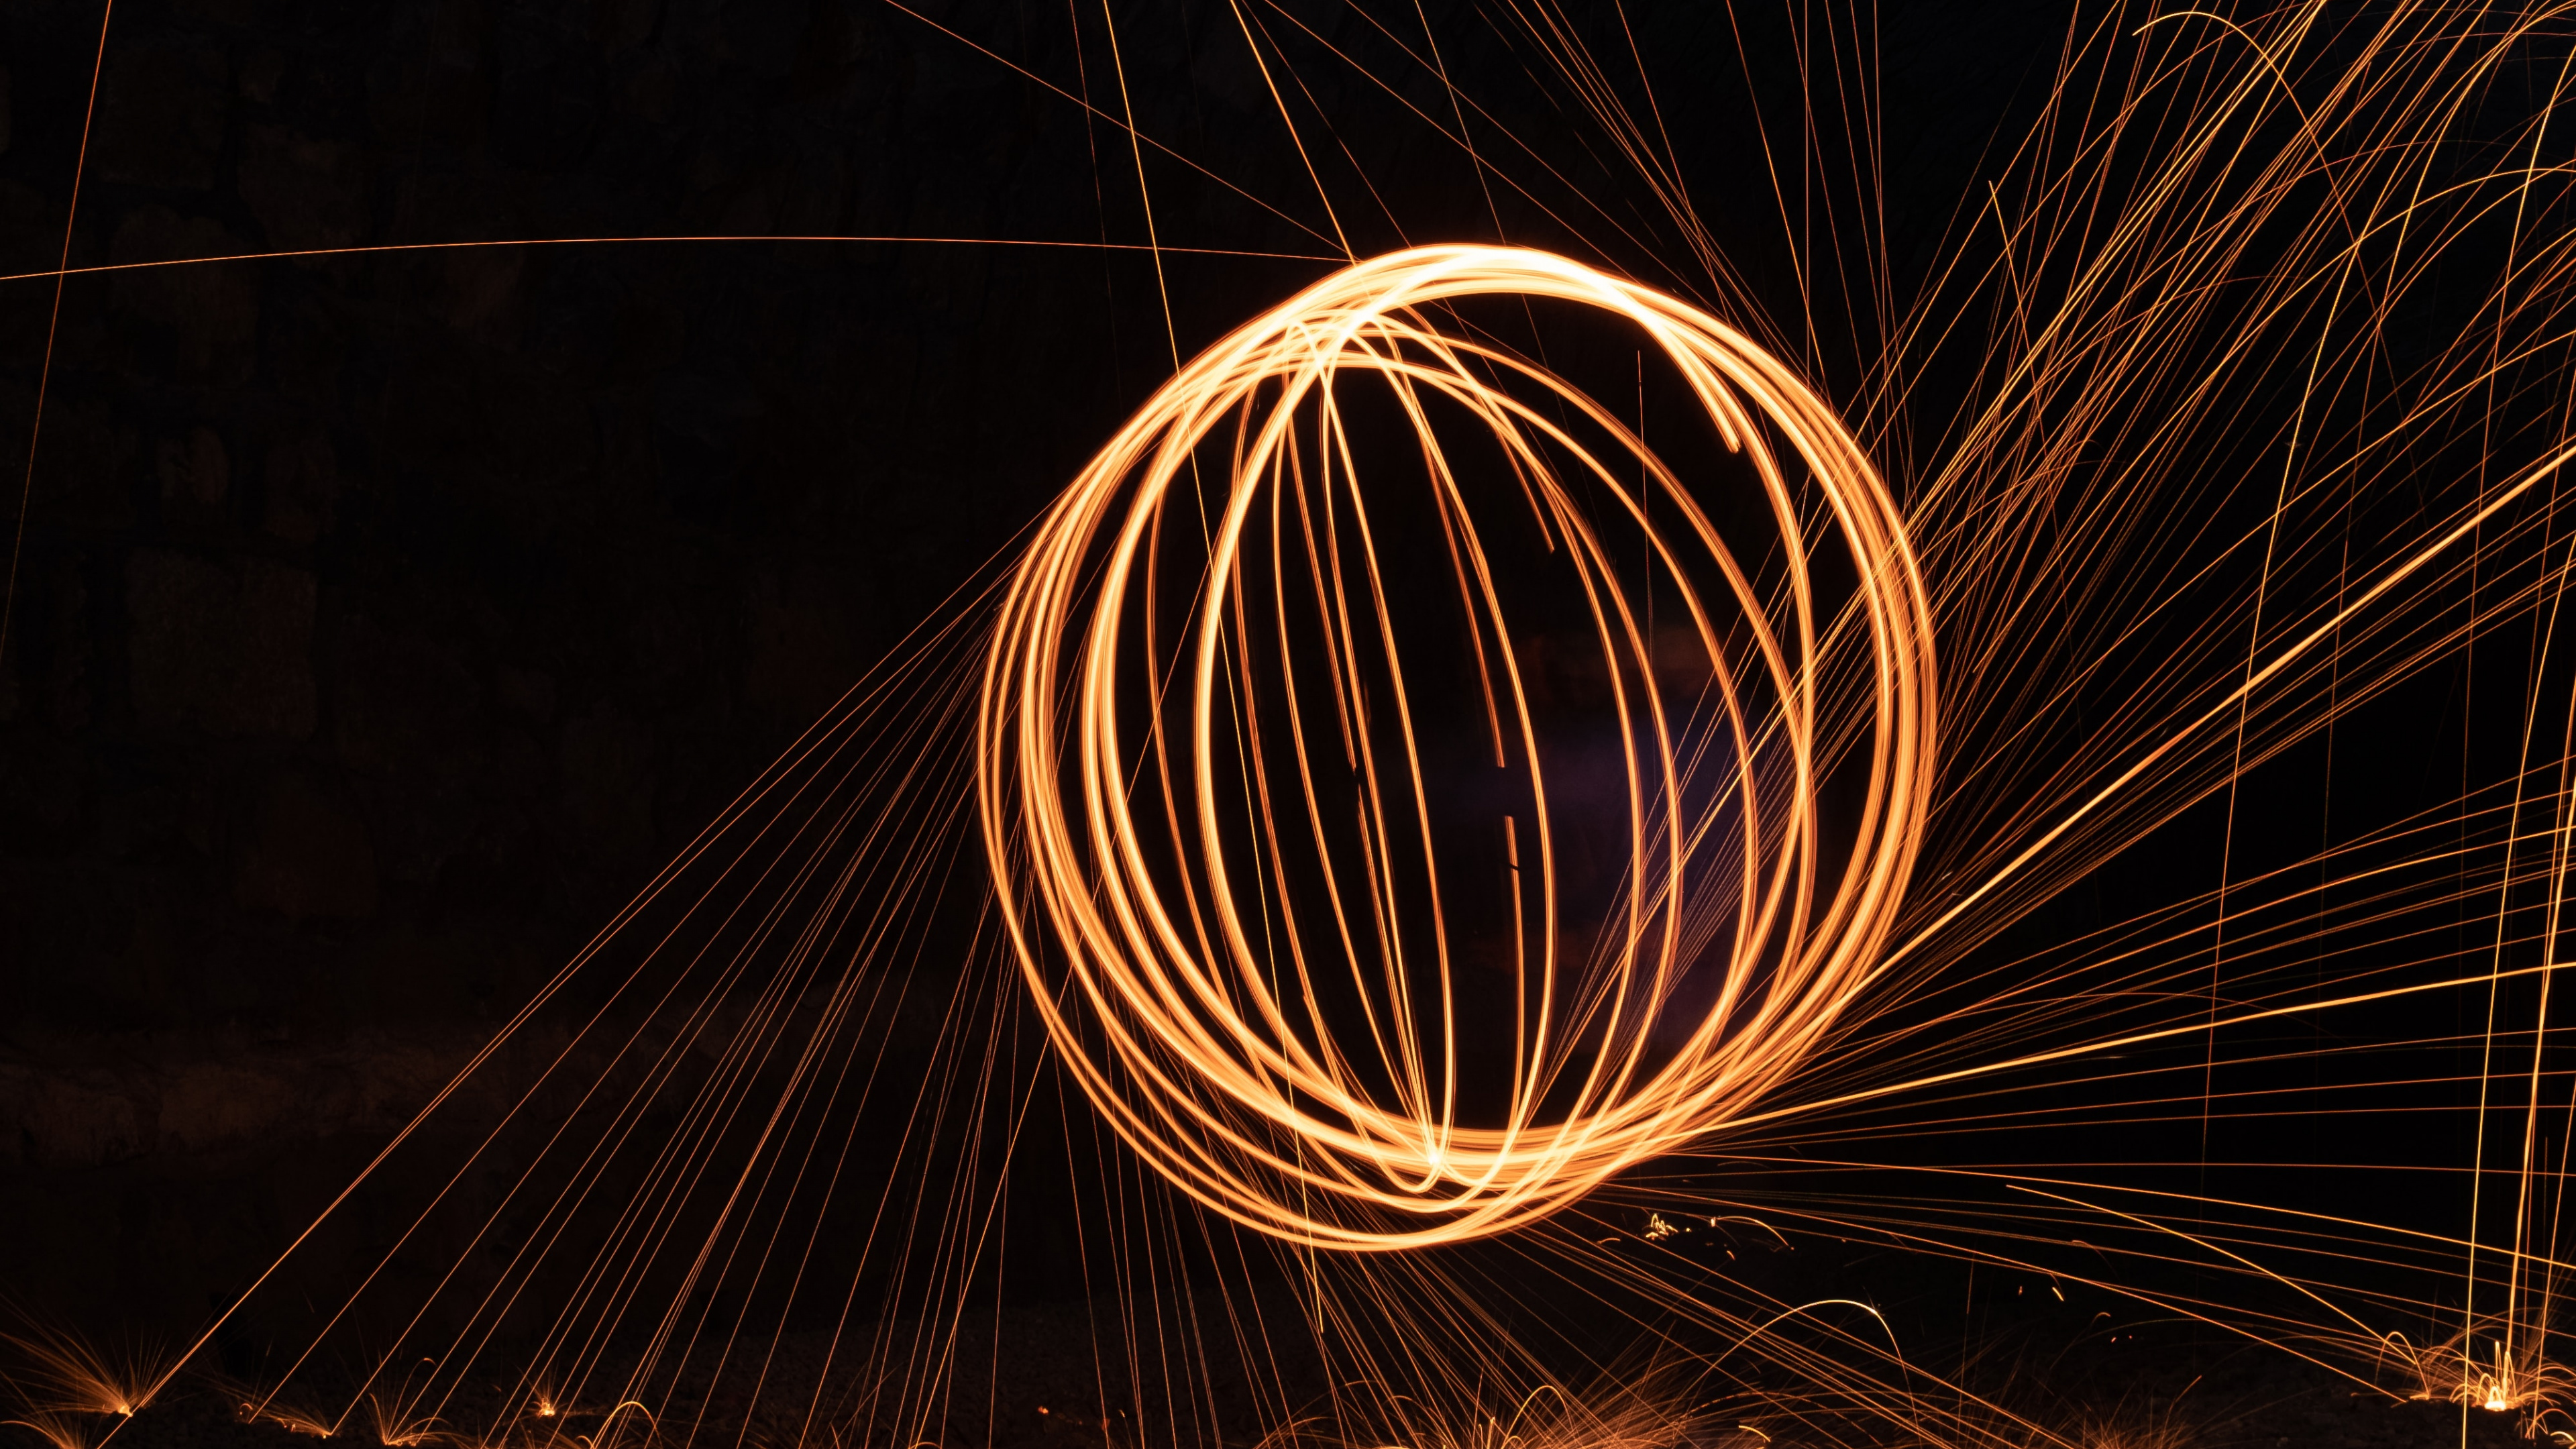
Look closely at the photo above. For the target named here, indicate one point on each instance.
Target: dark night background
(383, 621)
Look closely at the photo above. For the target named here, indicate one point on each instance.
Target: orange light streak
(1239, 1091)
(67, 270)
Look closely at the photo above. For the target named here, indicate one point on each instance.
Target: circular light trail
(1236, 873)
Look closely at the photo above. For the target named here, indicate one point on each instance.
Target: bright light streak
(1187, 993)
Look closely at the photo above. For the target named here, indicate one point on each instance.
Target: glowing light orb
(1322, 969)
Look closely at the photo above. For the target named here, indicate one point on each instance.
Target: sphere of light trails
(1187, 956)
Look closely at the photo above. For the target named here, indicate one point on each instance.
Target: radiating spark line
(68, 270)
(53, 320)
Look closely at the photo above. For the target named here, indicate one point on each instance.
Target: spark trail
(1184, 994)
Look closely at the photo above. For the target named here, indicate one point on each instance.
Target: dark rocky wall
(382, 620)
